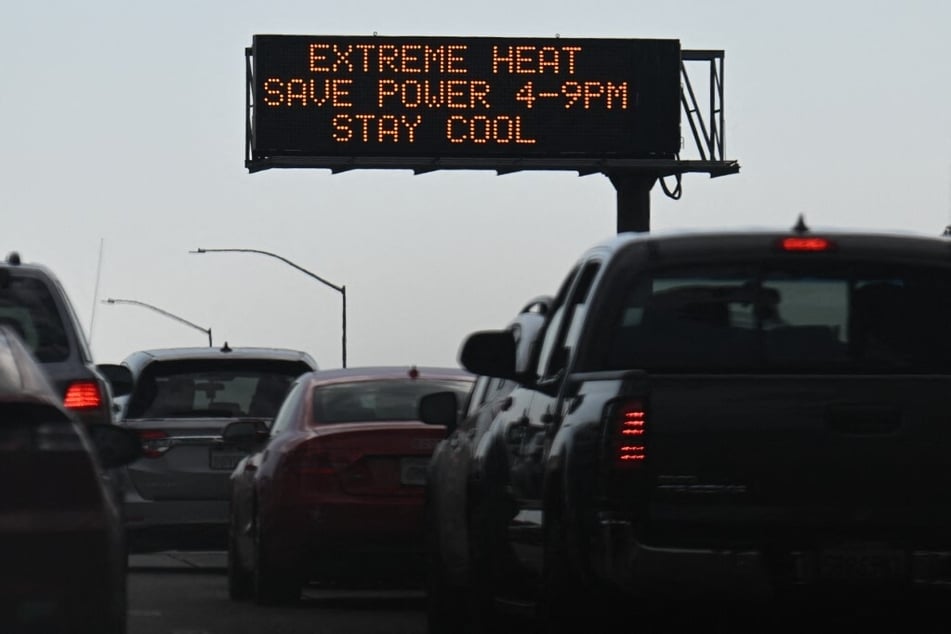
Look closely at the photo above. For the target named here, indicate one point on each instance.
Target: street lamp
(163, 312)
(340, 289)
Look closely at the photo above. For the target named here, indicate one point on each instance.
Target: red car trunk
(368, 459)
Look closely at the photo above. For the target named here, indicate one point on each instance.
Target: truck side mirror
(440, 408)
(490, 353)
(118, 376)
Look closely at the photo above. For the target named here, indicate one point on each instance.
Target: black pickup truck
(749, 415)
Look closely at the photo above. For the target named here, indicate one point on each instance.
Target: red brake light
(315, 471)
(806, 244)
(630, 428)
(155, 442)
(316, 464)
(83, 395)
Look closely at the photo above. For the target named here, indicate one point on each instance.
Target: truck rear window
(792, 316)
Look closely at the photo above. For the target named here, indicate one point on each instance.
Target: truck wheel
(447, 603)
(564, 605)
(446, 611)
(485, 566)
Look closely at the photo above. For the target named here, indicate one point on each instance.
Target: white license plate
(413, 471)
(224, 460)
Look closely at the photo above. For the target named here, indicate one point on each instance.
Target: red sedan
(333, 491)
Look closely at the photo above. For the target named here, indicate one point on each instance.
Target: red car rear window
(379, 400)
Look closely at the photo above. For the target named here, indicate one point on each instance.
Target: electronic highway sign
(464, 98)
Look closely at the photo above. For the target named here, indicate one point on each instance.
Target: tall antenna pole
(95, 293)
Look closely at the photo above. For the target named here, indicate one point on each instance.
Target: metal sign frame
(707, 130)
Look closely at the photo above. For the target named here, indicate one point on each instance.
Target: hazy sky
(123, 137)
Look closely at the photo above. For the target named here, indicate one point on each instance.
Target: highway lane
(187, 593)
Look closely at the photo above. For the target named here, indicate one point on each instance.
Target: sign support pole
(633, 199)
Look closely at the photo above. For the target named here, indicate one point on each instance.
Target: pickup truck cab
(750, 415)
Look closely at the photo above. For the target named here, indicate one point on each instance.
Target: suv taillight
(629, 425)
(155, 442)
(19, 438)
(82, 395)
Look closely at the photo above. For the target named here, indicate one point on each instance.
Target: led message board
(464, 97)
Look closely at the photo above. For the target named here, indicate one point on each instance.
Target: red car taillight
(315, 470)
(629, 435)
(155, 442)
(82, 395)
(315, 465)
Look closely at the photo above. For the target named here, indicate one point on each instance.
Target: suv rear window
(786, 316)
(27, 306)
(216, 389)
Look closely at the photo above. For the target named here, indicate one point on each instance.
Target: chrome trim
(193, 440)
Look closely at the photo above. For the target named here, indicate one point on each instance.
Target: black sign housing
(464, 97)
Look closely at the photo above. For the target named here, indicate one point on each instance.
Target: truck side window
(477, 395)
(551, 332)
(565, 325)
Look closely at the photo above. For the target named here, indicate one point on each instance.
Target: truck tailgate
(756, 455)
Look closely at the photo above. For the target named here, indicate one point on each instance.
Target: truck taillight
(155, 442)
(83, 395)
(630, 427)
(806, 244)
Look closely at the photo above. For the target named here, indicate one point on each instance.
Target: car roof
(21, 377)
(800, 227)
(139, 359)
(341, 375)
(15, 262)
(759, 238)
(79, 352)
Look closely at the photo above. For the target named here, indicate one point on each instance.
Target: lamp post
(160, 311)
(340, 289)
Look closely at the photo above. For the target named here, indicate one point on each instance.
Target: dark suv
(61, 538)
(35, 305)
